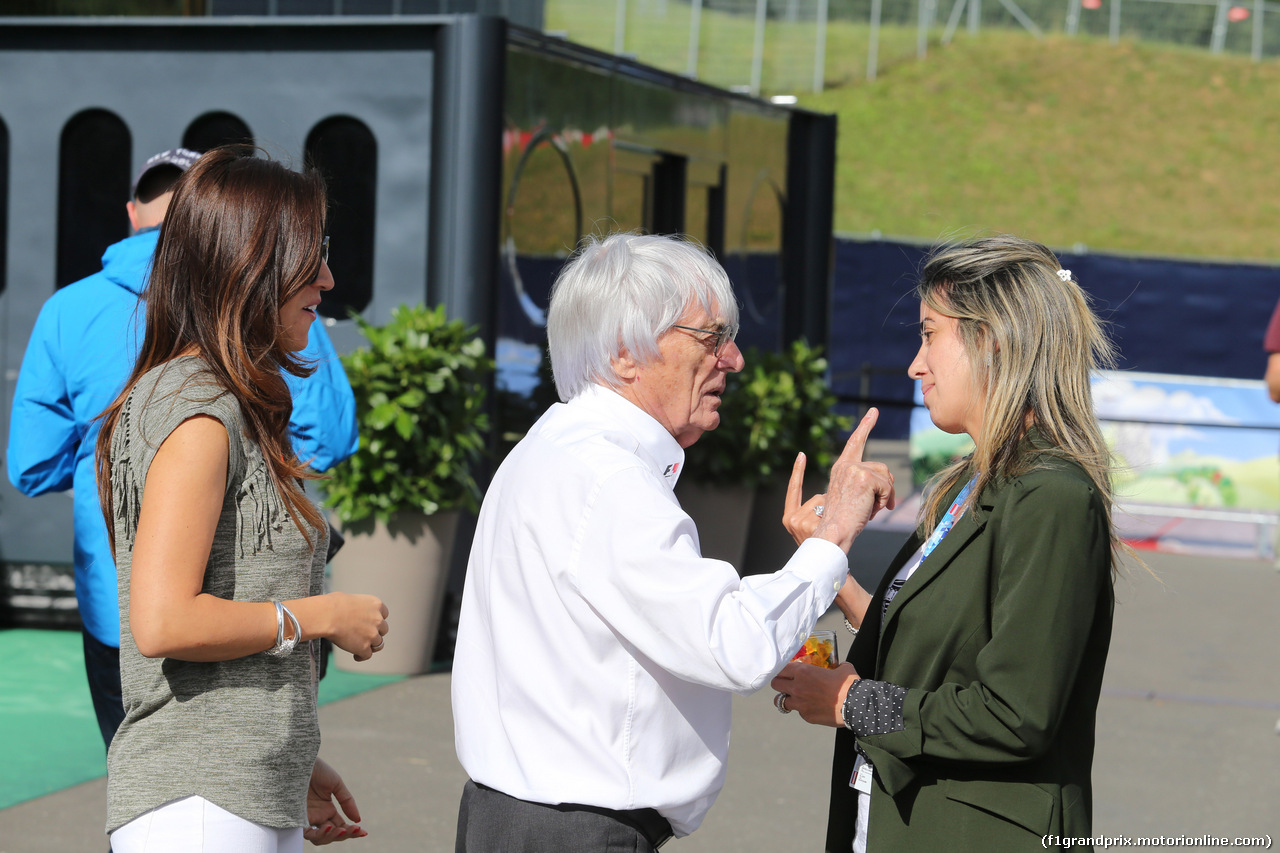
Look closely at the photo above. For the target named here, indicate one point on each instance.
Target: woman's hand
(800, 519)
(359, 623)
(815, 692)
(326, 818)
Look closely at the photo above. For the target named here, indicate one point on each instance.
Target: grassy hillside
(1133, 147)
(1136, 147)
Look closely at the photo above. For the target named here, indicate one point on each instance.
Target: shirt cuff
(874, 708)
(818, 560)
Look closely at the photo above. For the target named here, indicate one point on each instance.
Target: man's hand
(856, 492)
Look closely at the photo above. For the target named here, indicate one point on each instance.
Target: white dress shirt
(596, 646)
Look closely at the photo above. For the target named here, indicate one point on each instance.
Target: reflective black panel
(213, 129)
(626, 152)
(4, 202)
(345, 152)
(93, 188)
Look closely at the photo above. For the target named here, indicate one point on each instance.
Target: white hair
(620, 293)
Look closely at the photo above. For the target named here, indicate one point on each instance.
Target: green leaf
(380, 417)
(404, 425)
(412, 399)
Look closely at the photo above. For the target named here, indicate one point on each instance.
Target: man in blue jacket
(80, 354)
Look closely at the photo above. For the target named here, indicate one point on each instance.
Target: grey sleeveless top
(241, 733)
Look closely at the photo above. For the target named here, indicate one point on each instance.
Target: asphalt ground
(1187, 734)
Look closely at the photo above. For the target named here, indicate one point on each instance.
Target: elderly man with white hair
(597, 648)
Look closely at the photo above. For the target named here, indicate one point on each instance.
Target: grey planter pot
(406, 564)
(723, 516)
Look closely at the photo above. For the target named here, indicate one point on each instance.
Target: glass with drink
(820, 650)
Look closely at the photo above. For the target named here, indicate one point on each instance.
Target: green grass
(1134, 147)
(1127, 147)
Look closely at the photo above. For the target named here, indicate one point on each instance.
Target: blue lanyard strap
(948, 521)
(939, 533)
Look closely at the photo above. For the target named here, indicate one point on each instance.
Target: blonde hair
(1033, 342)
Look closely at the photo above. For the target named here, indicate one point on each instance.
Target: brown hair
(242, 236)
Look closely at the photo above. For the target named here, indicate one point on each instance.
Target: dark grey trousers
(489, 821)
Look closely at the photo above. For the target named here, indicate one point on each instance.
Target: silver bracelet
(284, 647)
(849, 627)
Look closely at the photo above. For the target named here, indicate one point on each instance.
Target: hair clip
(1065, 275)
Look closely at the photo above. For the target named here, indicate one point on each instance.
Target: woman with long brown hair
(220, 554)
(966, 708)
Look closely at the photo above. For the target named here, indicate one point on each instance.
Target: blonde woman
(966, 706)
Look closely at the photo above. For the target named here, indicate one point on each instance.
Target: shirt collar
(657, 447)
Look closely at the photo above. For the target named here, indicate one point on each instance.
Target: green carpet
(48, 732)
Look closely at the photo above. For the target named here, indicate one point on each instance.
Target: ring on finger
(819, 510)
(780, 702)
(378, 647)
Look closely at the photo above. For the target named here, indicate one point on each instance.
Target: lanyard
(939, 533)
(948, 521)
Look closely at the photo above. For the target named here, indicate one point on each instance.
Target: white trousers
(195, 825)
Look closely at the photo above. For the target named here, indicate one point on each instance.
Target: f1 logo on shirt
(671, 469)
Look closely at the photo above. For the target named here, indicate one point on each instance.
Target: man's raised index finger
(853, 447)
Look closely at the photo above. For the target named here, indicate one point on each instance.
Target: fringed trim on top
(126, 493)
(259, 507)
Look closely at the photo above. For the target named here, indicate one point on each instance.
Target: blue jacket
(78, 358)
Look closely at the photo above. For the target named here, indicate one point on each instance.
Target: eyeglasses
(724, 335)
(324, 250)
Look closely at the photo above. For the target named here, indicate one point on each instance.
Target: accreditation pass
(860, 781)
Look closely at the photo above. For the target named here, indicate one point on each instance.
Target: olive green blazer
(1000, 636)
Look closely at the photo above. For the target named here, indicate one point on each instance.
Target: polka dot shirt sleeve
(874, 708)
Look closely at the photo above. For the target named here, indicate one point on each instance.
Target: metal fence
(787, 46)
(744, 45)
(1217, 25)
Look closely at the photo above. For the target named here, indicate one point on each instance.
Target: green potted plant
(778, 405)
(419, 385)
